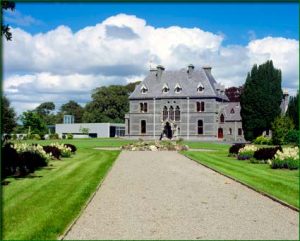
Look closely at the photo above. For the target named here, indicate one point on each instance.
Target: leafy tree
(71, 108)
(5, 29)
(293, 110)
(32, 121)
(45, 110)
(109, 104)
(234, 93)
(260, 99)
(280, 127)
(8, 120)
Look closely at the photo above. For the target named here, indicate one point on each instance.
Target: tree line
(108, 104)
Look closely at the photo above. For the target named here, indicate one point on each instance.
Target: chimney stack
(207, 69)
(190, 70)
(159, 71)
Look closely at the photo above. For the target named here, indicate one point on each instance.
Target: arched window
(141, 107)
(230, 131)
(232, 111)
(171, 113)
(222, 118)
(240, 131)
(165, 113)
(177, 113)
(200, 106)
(145, 107)
(200, 127)
(143, 127)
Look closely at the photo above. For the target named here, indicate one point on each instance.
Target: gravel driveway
(164, 195)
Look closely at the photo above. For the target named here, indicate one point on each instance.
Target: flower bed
(276, 157)
(155, 146)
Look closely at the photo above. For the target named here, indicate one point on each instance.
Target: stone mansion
(186, 103)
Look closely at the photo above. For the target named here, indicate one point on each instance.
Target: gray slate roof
(188, 83)
(236, 116)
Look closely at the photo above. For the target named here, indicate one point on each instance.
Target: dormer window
(200, 87)
(144, 89)
(165, 88)
(178, 88)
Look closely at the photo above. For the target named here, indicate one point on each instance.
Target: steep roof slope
(188, 82)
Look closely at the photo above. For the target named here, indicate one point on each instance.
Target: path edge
(246, 185)
(70, 226)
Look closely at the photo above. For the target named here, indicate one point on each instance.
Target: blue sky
(238, 21)
(61, 51)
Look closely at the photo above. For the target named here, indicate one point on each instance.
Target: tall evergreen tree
(8, 120)
(293, 110)
(260, 99)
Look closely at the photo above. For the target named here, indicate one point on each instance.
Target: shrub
(10, 160)
(234, 149)
(246, 152)
(55, 152)
(292, 137)
(266, 153)
(69, 136)
(280, 127)
(73, 148)
(65, 151)
(262, 140)
(287, 158)
(14, 137)
(32, 161)
(54, 136)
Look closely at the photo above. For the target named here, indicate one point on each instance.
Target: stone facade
(186, 104)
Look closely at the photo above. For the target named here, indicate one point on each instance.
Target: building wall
(101, 129)
(188, 124)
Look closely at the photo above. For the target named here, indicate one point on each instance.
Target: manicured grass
(280, 183)
(43, 206)
(207, 145)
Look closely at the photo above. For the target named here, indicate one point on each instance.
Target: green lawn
(280, 183)
(43, 206)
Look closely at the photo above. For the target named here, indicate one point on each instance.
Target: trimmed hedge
(234, 149)
(56, 153)
(73, 148)
(266, 153)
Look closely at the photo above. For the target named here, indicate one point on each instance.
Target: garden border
(70, 226)
(248, 186)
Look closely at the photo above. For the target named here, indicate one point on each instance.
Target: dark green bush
(266, 153)
(56, 153)
(262, 140)
(292, 164)
(73, 148)
(234, 149)
(69, 136)
(9, 161)
(292, 137)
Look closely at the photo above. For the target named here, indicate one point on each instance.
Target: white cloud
(16, 17)
(67, 65)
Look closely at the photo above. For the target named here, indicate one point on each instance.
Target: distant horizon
(62, 51)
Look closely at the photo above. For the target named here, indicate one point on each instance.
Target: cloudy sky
(60, 52)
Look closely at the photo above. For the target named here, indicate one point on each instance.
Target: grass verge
(279, 183)
(41, 207)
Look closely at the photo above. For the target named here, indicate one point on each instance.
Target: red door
(220, 133)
